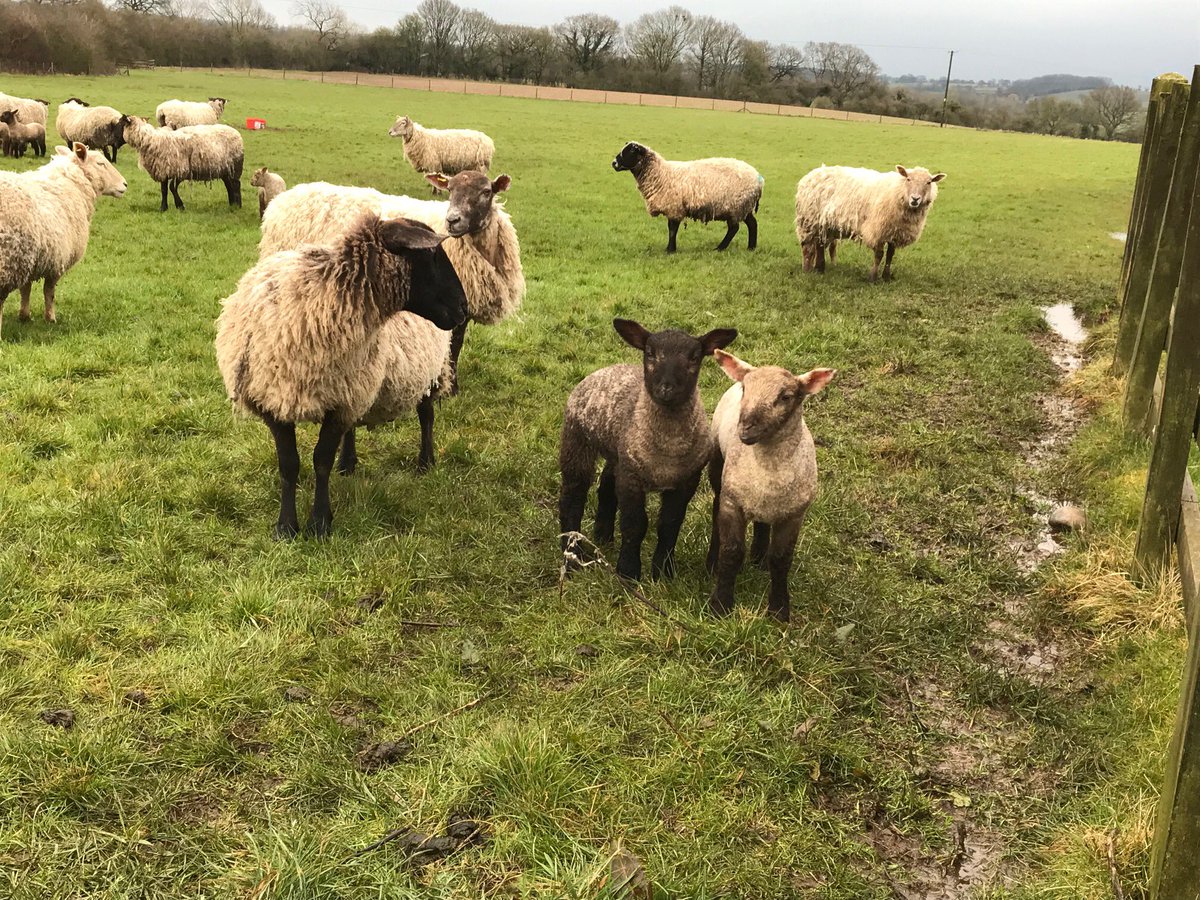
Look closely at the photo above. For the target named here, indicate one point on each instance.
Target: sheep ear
(718, 337)
(814, 382)
(938, 177)
(438, 180)
(62, 151)
(903, 171)
(80, 150)
(501, 184)
(632, 333)
(735, 368)
(399, 235)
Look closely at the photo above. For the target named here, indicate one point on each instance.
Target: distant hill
(1044, 85)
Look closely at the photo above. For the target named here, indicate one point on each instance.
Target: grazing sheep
(299, 340)
(650, 427)
(21, 135)
(883, 210)
(763, 470)
(448, 151)
(32, 111)
(486, 254)
(194, 153)
(98, 127)
(703, 189)
(45, 217)
(269, 187)
(182, 113)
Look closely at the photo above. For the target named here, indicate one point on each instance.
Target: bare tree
(659, 38)
(327, 19)
(239, 16)
(410, 41)
(158, 7)
(845, 69)
(587, 39)
(713, 39)
(1114, 108)
(440, 18)
(476, 40)
(786, 61)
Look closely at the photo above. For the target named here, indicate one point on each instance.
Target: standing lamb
(269, 187)
(195, 153)
(182, 113)
(98, 127)
(486, 254)
(763, 470)
(32, 111)
(21, 135)
(446, 151)
(650, 427)
(703, 189)
(46, 218)
(299, 340)
(883, 210)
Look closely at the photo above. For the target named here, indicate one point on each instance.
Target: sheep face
(9, 117)
(435, 291)
(259, 178)
(671, 359)
(919, 186)
(218, 104)
(632, 156)
(472, 196)
(403, 128)
(771, 396)
(100, 173)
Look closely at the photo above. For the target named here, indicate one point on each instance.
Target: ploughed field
(233, 697)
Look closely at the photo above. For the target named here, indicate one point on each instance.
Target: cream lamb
(763, 470)
(270, 186)
(98, 127)
(19, 135)
(447, 151)
(47, 214)
(182, 113)
(194, 153)
(707, 190)
(882, 210)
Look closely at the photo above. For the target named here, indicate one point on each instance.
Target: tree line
(669, 51)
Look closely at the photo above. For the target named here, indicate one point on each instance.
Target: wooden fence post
(1139, 193)
(1164, 273)
(1149, 228)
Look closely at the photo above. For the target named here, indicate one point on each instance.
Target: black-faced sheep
(97, 127)
(882, 210)
(706, 190)
(194, 153)
(46, 218)
(763, 470)
(649, 425)
(182, 113)
(269, 187)
(447, 150)
(21, 135)
(299, 340)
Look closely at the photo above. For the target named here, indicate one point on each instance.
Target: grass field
(734, 758)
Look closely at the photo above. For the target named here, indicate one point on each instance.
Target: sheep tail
(761, 183)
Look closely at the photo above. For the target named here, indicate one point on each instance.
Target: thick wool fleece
(195, 153)
(416, 360)
(181, 113)
(269, 187)
(707, 190)
(93, 126)
(834, 202)
(32, 111)
(448, 150)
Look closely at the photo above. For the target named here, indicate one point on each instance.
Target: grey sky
(1128, 42)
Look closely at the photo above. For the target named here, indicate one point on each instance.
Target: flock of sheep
(356, 311)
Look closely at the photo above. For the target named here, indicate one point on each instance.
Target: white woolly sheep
(98, 127)
(763, 470)
(47, 215)
(707, 190)
(487, 254)
(182, 113)
(649, 425)
(20, 135)
(882, 210)
(445, 150)
(269, 187)
(32, 111)
(299, 340)
(194, 153)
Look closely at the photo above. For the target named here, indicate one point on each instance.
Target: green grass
(733, 757)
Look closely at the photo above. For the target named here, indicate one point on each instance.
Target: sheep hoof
(779, 614)
(285, 531)
(719, 606)
(318, 529)
(24, 315)
(424, 465)
(347, 466)
(887, 276)
(663, 571)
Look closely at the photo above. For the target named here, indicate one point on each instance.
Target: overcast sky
(1123, 40)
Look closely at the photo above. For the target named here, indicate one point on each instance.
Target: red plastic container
(256, 124)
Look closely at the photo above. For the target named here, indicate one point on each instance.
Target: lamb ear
(79, 150)
(903, 171)
(938, 177)
(62, 151)
(501, 184)
(718, 337)
(735, 368)
(632, 333)
(438, 180)
(814, 382)
(399, 235)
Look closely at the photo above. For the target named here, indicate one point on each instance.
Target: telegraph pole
(946, 96)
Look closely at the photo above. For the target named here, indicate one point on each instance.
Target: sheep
(763, 470)
(703, 189)
(299, 340)
(486, 254)
(98, 127)
(181, 113)
(21, 134)
(32, 111)
(446, 151)
(46, 218)
(193, 153)
(650, 427)
(269, 187)
(882, 210)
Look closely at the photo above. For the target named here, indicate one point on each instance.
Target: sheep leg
(806, 251)
(320, 519)
(779, 564)
(833, 252)
(762, 540)
(820, 253)
(887, 262)
(26, 290)
(670, 521)
(109, 153)
(348, 459)
(175, 194)
(731, 228)
(606, 505)
(165, 185)
(577, 465)
(457, 336)
(732, 524)
(284, 434)
(631, 501)
(672, 233)
(752, 228)
(716, 469)
(875, 267)
(48, 287)
(233, 187)
(425, 459)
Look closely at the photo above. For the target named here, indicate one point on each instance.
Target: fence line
(578, 95)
